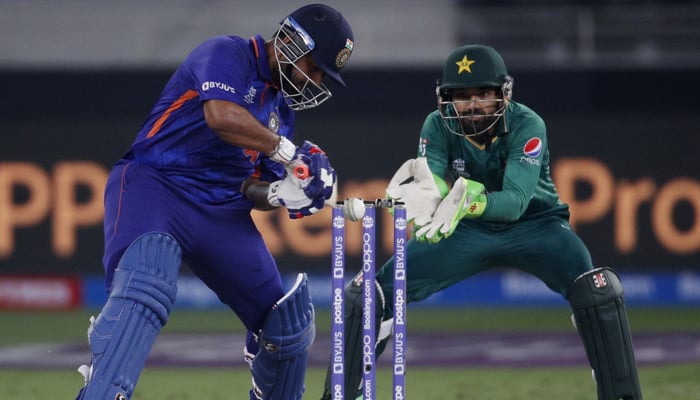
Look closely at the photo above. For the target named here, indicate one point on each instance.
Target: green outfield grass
(677, 382)
(36, 326)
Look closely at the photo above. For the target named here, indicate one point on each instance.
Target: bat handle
(301, 170)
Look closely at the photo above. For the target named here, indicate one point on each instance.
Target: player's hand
(311, 165)
(298, 164)
(466, 199)
(415, 186)
(305, 194)
(289, 192)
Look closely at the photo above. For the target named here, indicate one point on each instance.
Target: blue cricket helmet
(330, 38)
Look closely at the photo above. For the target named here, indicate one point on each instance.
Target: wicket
(369, 339)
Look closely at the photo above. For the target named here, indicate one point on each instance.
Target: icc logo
(338, 222)
(400, 224)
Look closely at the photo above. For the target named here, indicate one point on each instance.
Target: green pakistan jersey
(514, 167)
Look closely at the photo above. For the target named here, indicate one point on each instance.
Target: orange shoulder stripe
(255, 47)
(190, 94)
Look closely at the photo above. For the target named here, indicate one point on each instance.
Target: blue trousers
(219, 242)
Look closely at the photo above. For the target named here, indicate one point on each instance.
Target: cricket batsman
(217, 144)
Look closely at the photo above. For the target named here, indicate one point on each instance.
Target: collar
(257, 43)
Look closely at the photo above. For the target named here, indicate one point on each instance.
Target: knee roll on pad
(142, 294)
(596, 298)
(354, 303)
(279, 367)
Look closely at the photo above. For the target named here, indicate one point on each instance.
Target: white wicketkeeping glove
(466, 198)
(415, 186)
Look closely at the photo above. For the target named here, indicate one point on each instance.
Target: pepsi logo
(533, 147)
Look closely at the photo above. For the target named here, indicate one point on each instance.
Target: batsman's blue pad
(354, 303)
(279, 367)
(142, 295)
(596, 298)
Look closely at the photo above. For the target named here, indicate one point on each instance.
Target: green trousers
(546, 248)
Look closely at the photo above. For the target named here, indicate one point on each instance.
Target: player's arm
(256, 191)
(519, 184)
(235, 125)
(301, 195)
(223, 59)
(522, 173)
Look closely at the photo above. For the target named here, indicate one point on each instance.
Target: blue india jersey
(176, 140)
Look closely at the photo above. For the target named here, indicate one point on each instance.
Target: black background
(640, 124)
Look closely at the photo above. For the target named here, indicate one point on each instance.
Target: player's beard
(473, 127)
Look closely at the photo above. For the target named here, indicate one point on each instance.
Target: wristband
(476, 207)
(283, 152)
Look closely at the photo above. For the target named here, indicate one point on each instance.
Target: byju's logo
(217, 85)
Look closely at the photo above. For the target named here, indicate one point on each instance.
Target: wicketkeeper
(481, 196)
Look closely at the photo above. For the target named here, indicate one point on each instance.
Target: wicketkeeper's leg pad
(596, 298)
(354, 304)
(142, 294)
(279, 367)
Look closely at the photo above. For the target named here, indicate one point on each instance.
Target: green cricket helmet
(472, 66)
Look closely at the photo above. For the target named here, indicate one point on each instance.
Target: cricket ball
(354, 208)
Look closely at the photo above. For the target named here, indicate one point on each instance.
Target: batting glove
(305, 193)
(466, 199)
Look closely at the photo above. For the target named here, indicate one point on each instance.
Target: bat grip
(301, 170)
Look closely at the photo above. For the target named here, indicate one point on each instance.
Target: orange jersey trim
(188, 95)
(255, 47)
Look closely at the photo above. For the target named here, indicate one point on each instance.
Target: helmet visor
(299, 90)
